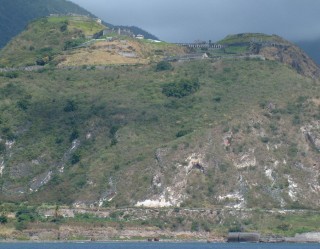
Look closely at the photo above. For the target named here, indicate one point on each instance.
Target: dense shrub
(11, 75)
(23, 104)
(73, 43)
(3, 219)
(25, 215)
(64, 26)
(217, 98)
(112, 134)
(163, 66)
(74, 135)
(182, 133)
(181, 88)
(75, 158)
(2, 147)
(70, 106)
(195, 226)
(42, 61)
(8, 133)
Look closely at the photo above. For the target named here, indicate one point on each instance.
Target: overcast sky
(189, 20)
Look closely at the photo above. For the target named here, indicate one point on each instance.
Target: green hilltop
(71, 41)
(16, 14)
(45, 38)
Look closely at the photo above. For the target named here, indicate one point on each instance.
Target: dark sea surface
(156, 245)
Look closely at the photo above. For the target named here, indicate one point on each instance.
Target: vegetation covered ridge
(146, 131)
(79, 41)
(63, 41)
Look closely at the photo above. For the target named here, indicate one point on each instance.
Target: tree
(3, 219)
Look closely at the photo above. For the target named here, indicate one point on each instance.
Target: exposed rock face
(255, 170)
(40, 180)
(245, 160)
(174, 194)
(2, 166)
(273, 47)
(292, 56)
(312, 134)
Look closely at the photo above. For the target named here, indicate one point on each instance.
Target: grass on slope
(15, 15)
(53, 41)
(122, 111)
(87, 25)
(45, 38)
(248, 37)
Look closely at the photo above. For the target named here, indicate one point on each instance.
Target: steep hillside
(238, 130)
(273, 48)
(46, 38)
(68, 41)
(16, 14)
(247, 124)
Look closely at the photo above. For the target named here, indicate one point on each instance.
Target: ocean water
(156, 245)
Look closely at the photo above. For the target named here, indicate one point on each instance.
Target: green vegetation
(38, 46)
(3, 219)
(32, 54)
(230, 132)
(163, 66)
(118, 111)
(237, 49)
(86, 24)
(181, 88)
(264, 221)
(74, 43)
(25, 215)
(24, 11)
(57, 40)
(247, 37)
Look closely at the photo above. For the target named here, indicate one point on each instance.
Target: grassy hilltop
(16, 14)
(52, 41)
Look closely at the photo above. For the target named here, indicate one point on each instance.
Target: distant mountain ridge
(16, 14)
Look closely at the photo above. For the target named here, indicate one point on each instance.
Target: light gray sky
(189, 20)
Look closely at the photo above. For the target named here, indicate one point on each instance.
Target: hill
(16, 14)
(68, 41)
(234, 137)
(272, 47)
